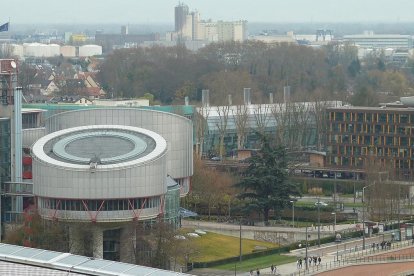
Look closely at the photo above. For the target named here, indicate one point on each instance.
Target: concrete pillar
(97, 242)
(75, 240)
(411, 191)
(127, 242)
(86, 239)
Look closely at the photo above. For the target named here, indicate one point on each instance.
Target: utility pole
(363, 214)
(399, 210)
(240, 256)
(293, 213)
(319, 223)
(306, 249)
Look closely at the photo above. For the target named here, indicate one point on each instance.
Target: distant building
(180, 12)
(124, 30)
(189, 26)
(110, 41)
(381, 41)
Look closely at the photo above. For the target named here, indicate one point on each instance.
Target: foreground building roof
(19, 260)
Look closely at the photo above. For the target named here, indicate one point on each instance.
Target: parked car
(215, 158)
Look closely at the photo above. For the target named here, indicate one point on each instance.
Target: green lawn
(312, 204)
(259, 262)
(214, 246)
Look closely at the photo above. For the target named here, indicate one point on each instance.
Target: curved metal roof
(33, 261)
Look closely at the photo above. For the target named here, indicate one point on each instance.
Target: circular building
(100, 173)
(111, 166)
(176, 130)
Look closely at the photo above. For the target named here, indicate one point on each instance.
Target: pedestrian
(257, 272)
(297, 263)
(315, 259)
(274, 269)
(271, 269)
(319, 260)
(300, 263)
(251, 272)
(310, 261)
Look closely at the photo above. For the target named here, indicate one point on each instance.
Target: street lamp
(334, 221)
(363, 214)
(318, 204)
(306, 250)
(293, 213)
(240, 255)
(319, 223)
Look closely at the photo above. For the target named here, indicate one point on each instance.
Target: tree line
(172, 73)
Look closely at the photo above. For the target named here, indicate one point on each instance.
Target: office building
(355, 134)
(381, 41)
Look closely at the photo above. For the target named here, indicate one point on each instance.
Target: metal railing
(356, 255)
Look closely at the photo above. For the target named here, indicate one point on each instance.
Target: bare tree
(223, 117)
(240, 115)
(282, 118)
(201, 118)
(320, 119)
(384, 192)
(261, 117)
(299, 124)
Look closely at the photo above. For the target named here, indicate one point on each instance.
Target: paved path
(228, 226)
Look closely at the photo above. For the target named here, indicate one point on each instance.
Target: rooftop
(19, 260)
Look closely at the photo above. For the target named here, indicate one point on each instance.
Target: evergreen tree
(265, 184)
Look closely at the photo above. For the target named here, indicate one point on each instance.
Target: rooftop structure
(31, 261)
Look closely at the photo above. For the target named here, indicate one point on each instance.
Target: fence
(357, 256)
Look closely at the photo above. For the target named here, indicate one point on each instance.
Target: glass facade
(172, 205)
(5, 166)
(100, 204)
(5, 149)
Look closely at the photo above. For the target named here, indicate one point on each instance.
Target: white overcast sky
(162, 11)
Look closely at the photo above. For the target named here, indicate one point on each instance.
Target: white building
(109, 167)
(381, 41)
(68, 51)
(90, 50)
(189, 26)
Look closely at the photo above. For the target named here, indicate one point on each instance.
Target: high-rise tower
(181, 12)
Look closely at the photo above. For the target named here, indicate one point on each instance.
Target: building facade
(189, 26)
(355, 134)
(381, 41)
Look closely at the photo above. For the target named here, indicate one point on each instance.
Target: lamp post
(293, 213)
(306, 249)
(318, 204)
(319, 223)
(363, 214)
(240, 252)
(334, 228)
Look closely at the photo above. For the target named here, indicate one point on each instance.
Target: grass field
(214, 246)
